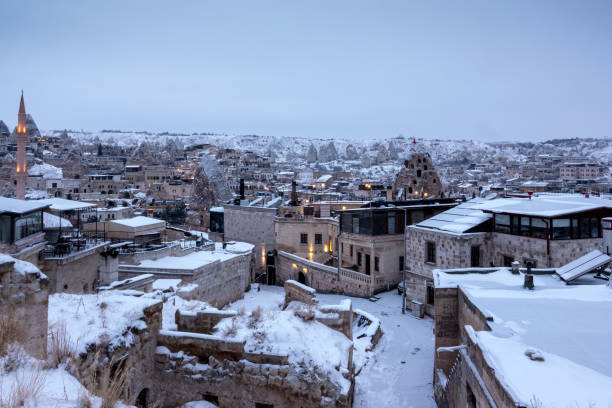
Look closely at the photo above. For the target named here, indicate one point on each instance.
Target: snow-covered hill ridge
(442, 151)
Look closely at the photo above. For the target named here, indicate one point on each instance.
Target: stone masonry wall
(322, 277)
(25, 298)
(254, 225)
(75, 273)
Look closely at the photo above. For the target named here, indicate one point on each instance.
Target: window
(391, 223)
(303, 238)
(318, 239)
(595, 231)
(502, 223)
(525, 226)
(430, 252)
(475, 256)
(27, 225)
(355, 224)
(263, 405)
(376, 263)
(418, 173)
(401, 263)
(538, 228)
(561, 228)
(351, 250)
(365, 223)
(359, 258)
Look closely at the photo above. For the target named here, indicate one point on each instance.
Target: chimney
(294, 199)
(242, 189)
(389, 193)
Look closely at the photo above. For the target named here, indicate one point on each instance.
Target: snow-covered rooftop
(478, 210)
(61, 204)
(139, 221)
(568, 325)
(189, 262)
(12, 205)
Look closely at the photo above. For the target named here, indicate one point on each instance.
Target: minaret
(22, 139)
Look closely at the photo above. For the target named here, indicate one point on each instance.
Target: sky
(486, 70)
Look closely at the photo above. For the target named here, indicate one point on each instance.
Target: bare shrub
(260, 336)
(14, 358)
(241, 311)
(534, 402)
(231, 330)
(11, 329)
(60, 345)
(255, 317)
(306, 313)
(26, 387)
(108, 382)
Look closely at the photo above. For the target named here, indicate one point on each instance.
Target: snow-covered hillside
(442, 151)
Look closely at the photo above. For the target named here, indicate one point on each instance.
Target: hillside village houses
(181, 234)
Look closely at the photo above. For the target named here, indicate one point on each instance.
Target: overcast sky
(488, 70)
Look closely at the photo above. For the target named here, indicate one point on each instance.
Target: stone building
(253, 222)
(369, 239)
(498, 344)
(544, 232)
(417, 178)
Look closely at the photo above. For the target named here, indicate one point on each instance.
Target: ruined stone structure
(24, 297)
(221, 277)
(417, 178)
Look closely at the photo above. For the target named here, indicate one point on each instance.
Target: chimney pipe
(294, 200)
(242, 189)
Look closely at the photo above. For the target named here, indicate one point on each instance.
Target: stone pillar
(109, 269)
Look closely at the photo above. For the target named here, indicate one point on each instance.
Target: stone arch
(302, 278)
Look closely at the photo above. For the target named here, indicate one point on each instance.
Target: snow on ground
(283, 332)
(398, 372)
(104, 316)
(57, 387)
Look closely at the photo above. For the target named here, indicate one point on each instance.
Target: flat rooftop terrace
(570, 325)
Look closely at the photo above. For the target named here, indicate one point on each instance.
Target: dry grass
(11, 329)
(231, 330)
(61, 348)
(109, 382)
(26, 387)
(255, 317)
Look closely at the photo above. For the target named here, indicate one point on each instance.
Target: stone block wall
(295, 291)
(322, 277)
(200, 322)
(220, 283)
(138, 357)
(78, 273)
(254, 225)
(452, 250)
(24, 298)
